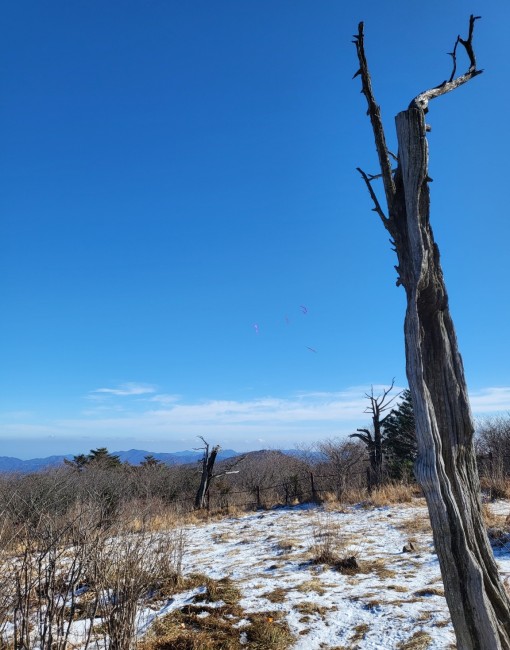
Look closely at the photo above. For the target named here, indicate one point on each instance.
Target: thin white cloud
(490, 400)
(243, 424)
(127, 389)
(164, 399)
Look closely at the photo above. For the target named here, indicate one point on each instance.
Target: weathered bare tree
(208, 461)
(373, 439)
(446, 464)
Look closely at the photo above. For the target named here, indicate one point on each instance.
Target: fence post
(314, 492)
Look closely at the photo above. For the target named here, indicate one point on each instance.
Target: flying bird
(304, 309)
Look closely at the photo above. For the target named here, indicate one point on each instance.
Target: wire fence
(287, 492)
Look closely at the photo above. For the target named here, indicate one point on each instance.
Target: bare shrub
(345, 463)
(68, 552)
(46, 566)
(493, 455)
(126, 569)
(331, 546)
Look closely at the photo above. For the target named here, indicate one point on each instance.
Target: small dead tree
(374, 439)
(446, 463)
(208, 460)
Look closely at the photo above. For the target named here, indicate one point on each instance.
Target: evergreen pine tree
(400, 438)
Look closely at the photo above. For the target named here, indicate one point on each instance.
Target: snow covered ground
(284, 562)
(395, 598)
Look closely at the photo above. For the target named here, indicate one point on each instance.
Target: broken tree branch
(422, 100)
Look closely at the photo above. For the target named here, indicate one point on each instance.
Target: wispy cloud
(172, 423)
(164, 399)
(127, 389)
(490, 400)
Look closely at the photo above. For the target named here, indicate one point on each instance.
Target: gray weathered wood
(446, 465)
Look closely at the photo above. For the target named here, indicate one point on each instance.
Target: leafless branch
(377, 206)
(374, 113)
(422, 100)
(364, 435)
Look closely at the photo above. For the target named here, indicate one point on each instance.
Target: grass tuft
(418, 641)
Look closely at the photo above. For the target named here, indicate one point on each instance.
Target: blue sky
(177, 173)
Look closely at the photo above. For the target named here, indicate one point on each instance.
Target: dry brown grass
(379, 567)
(495, 488)
(286, 545)
(310, 608)
(419, 525)
(267, 631)
(398, 588)
(203, 626)
(214, 628)
(418, 641)
(429, 591)
(278, 595)
(391, 494)
(360, 632)
(314, 585)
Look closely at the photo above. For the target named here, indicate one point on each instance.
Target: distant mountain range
(133, 457)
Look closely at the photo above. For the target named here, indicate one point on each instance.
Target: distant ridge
(132, 456)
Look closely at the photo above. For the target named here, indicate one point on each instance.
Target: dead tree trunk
(374, 439)
(446, 464)
(208, 460)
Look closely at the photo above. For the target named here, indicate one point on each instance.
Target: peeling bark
(446, 464)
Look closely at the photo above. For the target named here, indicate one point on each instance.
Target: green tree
(150, 461)
(400, 446)
(102, 457)
(99, 457)
(78, 462)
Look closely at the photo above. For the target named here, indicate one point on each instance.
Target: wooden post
(314, 492)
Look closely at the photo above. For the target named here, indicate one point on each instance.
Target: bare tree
(373, 439)
(208, 460)
(446, 464)
(348, 460)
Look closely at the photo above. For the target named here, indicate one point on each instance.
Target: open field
(303, 578)
(393, 599)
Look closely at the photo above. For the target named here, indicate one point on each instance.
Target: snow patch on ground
(396, 595)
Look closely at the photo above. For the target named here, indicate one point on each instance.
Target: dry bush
(332, 547)
(65, 555)
(45, 563)
(493, 452)
(343, 467)
(495, 487)
(127, 569)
